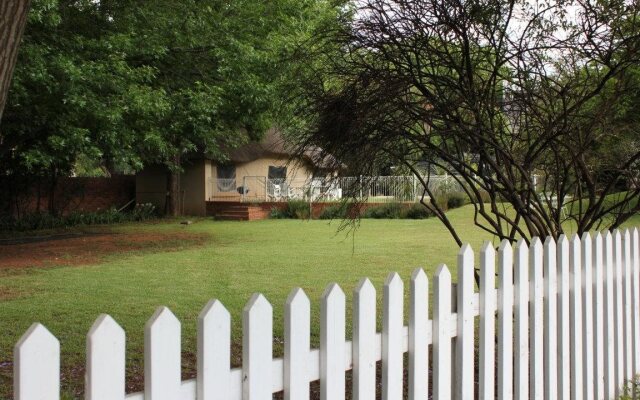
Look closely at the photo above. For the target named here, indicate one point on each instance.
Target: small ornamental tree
(530, 106)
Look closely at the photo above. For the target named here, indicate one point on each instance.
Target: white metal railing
(561, 321)
(379, 189)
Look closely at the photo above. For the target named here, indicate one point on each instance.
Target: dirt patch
(90, 248)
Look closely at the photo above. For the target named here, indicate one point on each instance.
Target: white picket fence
(562, 323)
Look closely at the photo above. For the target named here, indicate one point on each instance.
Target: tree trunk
(173, 192)
(13, 18)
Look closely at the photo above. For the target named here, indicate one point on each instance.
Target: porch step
(238, 212)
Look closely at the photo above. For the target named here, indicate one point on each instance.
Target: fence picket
(364, 338)
(257, 350)
(297, 345)
(36, 365)
(598, 317)
(635, 247)
(618, 313)
(550, 321)
(214, 352)
(587, 320)
(418, 337)
(521, 318)
(465, 337)
(609, 309)
(162, 356)
(441, 335)
(575, 304)
(564, 364)
(105, 360)
(536, 322)
(505, 321)
(332, 344)
(487, 322)
(392, 326)
(628, 331)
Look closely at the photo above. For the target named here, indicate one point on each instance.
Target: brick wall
(78, 194)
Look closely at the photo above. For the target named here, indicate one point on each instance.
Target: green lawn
(238, 259)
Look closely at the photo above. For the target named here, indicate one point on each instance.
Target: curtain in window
(226, 178)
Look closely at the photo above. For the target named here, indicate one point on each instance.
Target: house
(264, 171)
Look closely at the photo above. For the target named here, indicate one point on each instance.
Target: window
(277, 172)
(226, 178)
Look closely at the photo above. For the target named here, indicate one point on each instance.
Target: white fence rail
(379, 189)
(562, 323)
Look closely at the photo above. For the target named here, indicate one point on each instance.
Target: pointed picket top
(487, 248)
(105, 325)
(442, 273)
(297, 296)
(563, 241)
(549, 245)
(333, 293)
(162, 355)
(36, 335)
(575, 242)
(214, 354)
(505, 245)
(37, 365)
(214, 310)
(365, 288)
(393, 281)
(105, 377)
(536, 242)
(521, 250)
(161, 317)
(419, 276)
(465, 256)
(257, 302)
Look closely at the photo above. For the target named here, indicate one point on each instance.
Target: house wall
(192, 183)
(255, 172)
(151, 187)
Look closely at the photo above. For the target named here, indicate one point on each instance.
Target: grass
(237, 259)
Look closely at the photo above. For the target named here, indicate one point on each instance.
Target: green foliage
(385, 211)
(37, 221)
(126, 83)
(337, 211)
(296, 209)
(456, 200)
(417, 211)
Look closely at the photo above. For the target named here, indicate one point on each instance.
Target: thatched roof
(274, 145)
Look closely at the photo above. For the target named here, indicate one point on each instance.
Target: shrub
(417, 211)
(278, 213)
(334, 212)
(298, 209)
(456, 200)
(385, 211)
(37, 221)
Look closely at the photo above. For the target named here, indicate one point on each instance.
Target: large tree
(13, 18)
(526, 104)
(129, 83)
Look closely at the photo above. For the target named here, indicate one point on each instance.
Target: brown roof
(274, 145)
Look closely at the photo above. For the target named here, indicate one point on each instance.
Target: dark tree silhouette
(515, 99)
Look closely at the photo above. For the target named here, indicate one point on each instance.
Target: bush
(298, 209)
(417, 211)
(295, 209)
(278, 213)
(39, 221)
(456, 200)
(334, 212)
(385, 211)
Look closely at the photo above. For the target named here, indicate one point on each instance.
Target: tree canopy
(124, 83)
(531, 106)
